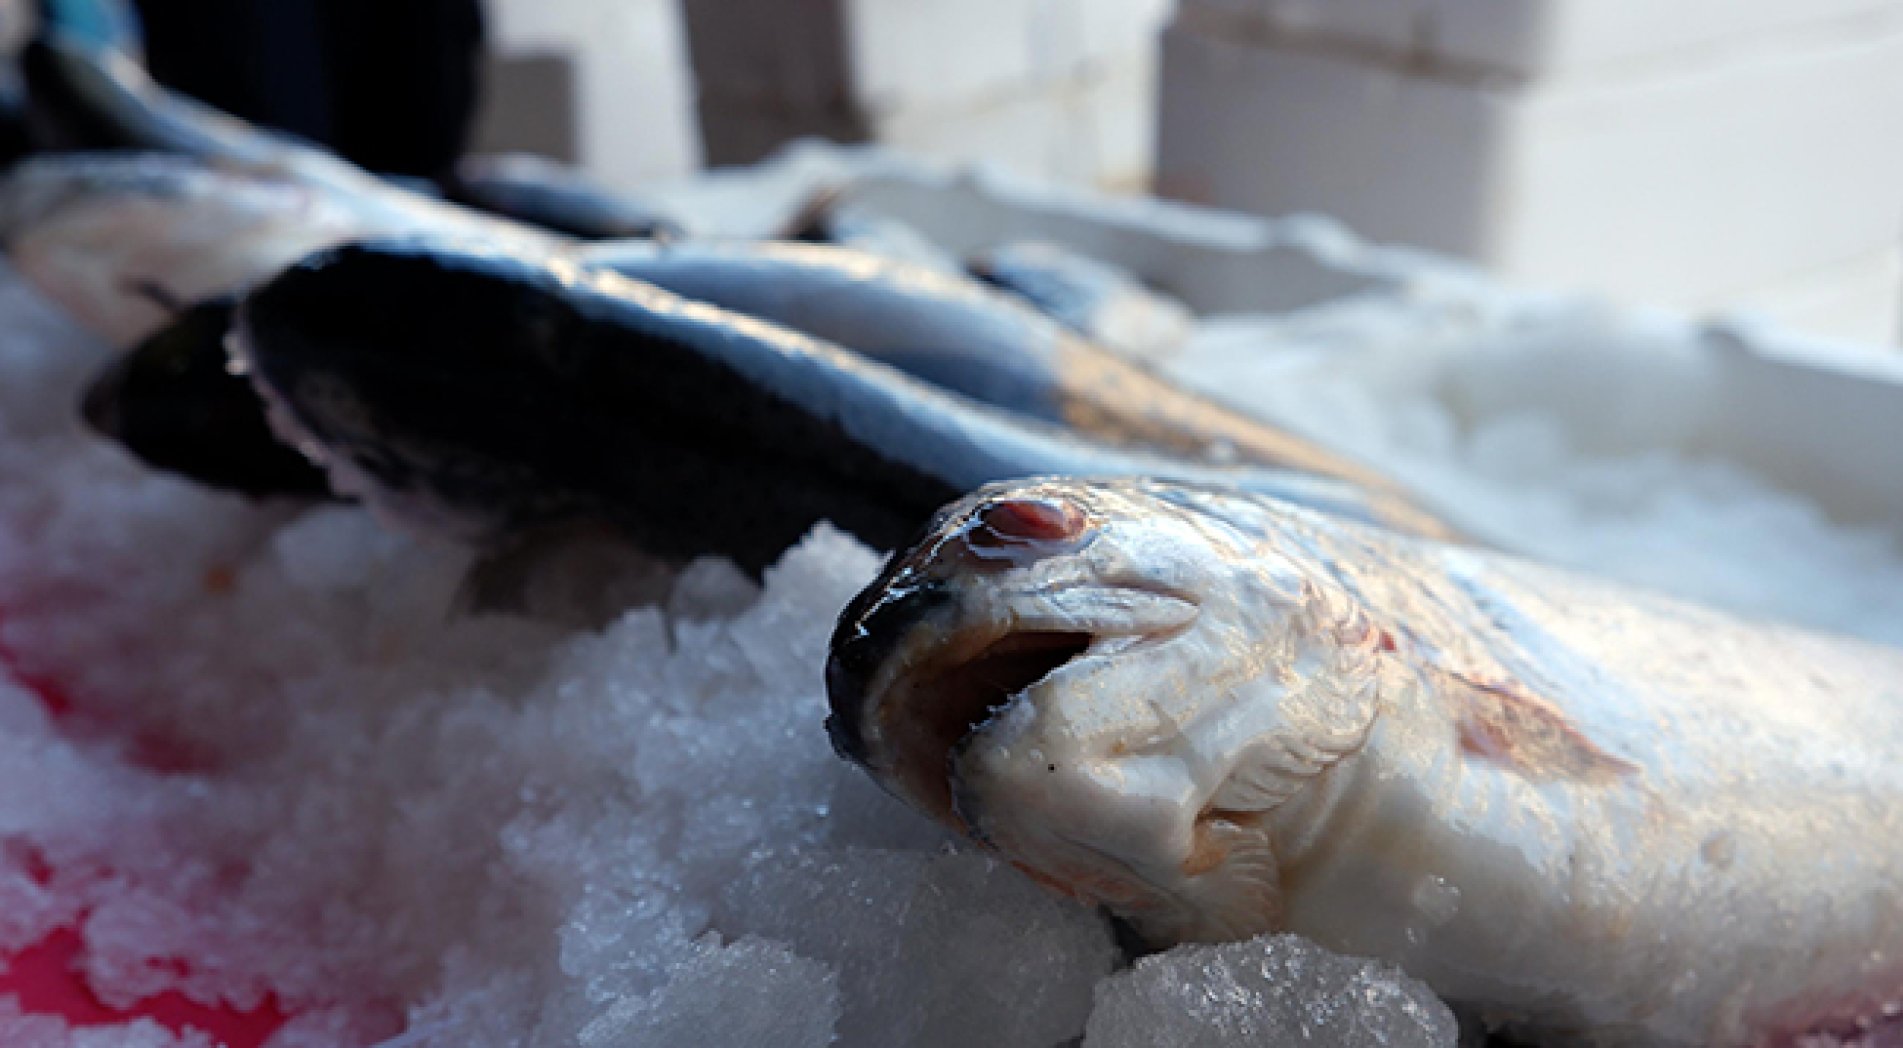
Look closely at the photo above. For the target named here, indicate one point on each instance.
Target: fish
(144, 189)
(1586, 812)
(1106, 304)
(829, 216)
(173, 402)
(541, 192)
(123, 242)
(950, 331)
(477, 394)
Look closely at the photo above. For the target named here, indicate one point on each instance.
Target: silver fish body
(1587, 811)
(123, 241)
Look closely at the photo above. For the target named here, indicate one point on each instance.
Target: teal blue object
(100, 23)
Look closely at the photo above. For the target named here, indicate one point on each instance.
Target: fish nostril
(1033, 519)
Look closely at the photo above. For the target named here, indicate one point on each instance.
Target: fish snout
(870, 633)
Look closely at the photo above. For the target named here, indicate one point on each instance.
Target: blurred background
(1704, 155)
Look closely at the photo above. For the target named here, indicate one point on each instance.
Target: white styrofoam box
(1668, 188)
(1075, 34)
(1814, 416)
(920, 52)
(634, 97)
(1215, 261)
(998, 77)
(1860, 300)
(1095, 128)
(1531, 38)
(889, 54)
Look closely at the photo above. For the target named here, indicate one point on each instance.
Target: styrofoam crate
(872, 63)
(1531, 38)
(1095, 128)
(890, 54)
(1857, 301)
(1666, 189)
(633, 89)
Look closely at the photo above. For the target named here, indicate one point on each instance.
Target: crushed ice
(287, 763)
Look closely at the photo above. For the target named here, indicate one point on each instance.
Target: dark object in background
(171, 401)
(389, 84)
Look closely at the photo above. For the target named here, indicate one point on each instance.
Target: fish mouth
(938, 712)
(909, 692)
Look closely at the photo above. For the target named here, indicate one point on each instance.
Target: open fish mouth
(910, 691)
(934, 714)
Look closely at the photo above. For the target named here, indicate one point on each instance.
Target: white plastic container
(1058, 88)
(1695, 156)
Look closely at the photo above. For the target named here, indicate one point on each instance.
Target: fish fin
(1503, 723)
(1236, 896)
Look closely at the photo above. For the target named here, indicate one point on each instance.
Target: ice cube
(1272, 990)
(750, 993)
(949, 949)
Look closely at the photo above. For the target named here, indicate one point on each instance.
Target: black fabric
(391, 85)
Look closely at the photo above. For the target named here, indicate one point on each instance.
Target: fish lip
(908, 722)
(870, 631)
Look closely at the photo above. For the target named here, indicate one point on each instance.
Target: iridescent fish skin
(958, 334)
(1589, 812)
(1104, 303)
(465, 390)
(553, 196)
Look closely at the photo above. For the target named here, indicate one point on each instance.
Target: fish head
(174, 403)
(423, 374)
(1131, 689)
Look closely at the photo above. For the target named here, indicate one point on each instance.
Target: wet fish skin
(552, 196)
(479, 393)
(117, 236)
(1593, 813)
(954, 333)
(1099, 301)
(120, 241)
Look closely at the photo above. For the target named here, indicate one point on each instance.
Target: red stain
(44, 979)
(51, 695)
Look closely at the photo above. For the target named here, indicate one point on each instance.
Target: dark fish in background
(1105, 304)
(554, 196)
(954, 333)
(827, 217)
(482, 395)
(174, 403)
(120, 240)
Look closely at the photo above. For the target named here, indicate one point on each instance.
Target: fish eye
(1033, 519)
